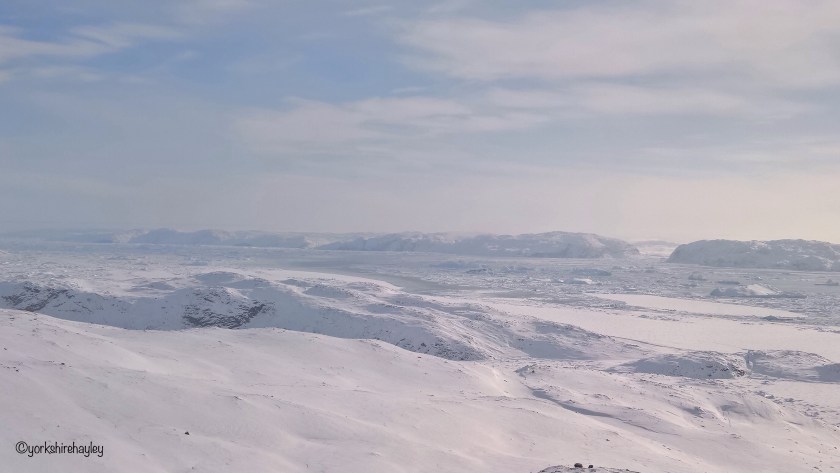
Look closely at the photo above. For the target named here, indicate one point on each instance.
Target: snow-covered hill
(232, 300)
(550, 245)
(309, 302)
(777, 254)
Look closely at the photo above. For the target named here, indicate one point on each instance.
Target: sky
(665, 119)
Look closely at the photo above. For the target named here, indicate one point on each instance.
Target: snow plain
(695, 306)
(295, 360)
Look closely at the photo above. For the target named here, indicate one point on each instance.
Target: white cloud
(787, 43)
(624, 99)
(745, 59)
(374, 10)
(313, 127)
(819, 155)
(529, 98)
(594, 98)
(14, 47)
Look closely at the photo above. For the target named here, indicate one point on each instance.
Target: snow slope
(778, 254)
(216, 400)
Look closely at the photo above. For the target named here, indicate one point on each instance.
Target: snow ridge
(340, 308)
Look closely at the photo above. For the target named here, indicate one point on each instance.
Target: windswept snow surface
(217, 360)
(800, 255)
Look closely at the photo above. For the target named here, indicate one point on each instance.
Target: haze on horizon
(678, 120)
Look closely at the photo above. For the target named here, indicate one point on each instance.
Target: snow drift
(697, 365)
(793, 365)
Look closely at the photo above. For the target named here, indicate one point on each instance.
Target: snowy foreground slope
(274, 400)
(800, 255)
(479, 366)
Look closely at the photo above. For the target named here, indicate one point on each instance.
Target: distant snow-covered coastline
(801, 255)
(539, 245)
(549, 245)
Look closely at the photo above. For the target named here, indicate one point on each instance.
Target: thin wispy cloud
(370, 11)
(13, 46)
(309, 126)
(783, 43)
(122, 35)
(81, 42)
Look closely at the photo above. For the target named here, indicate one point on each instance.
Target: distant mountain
(542, 245)
(167, 236)
(803, 255)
